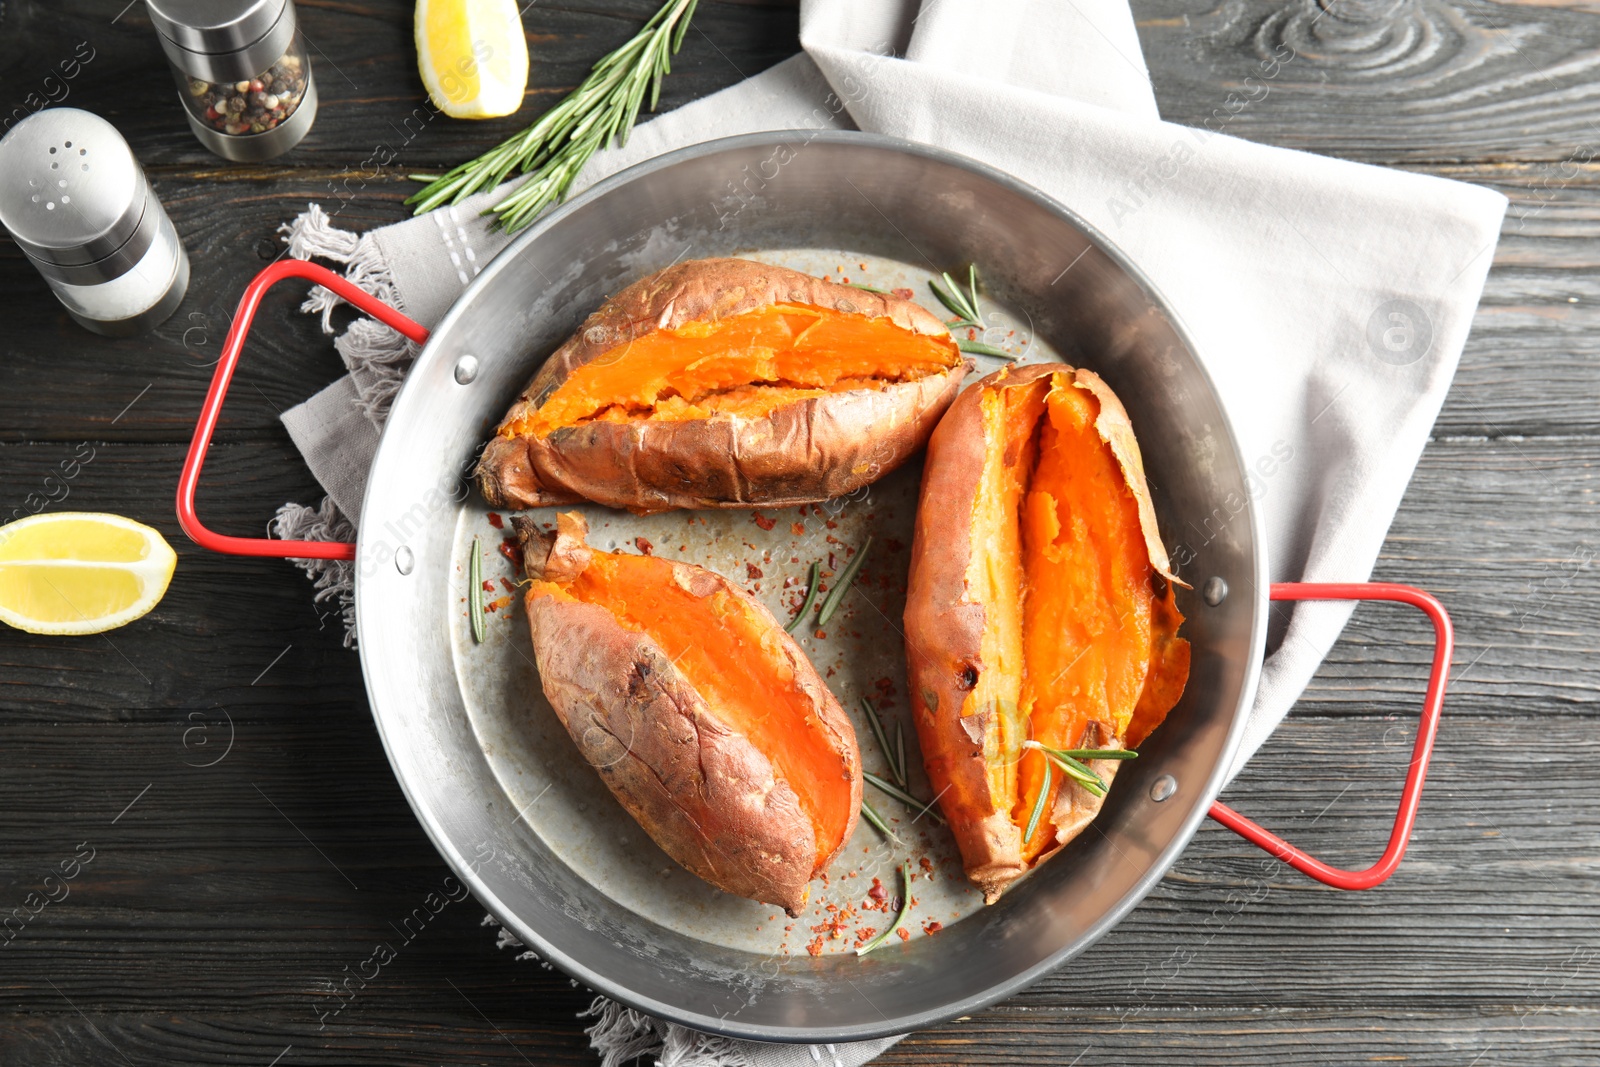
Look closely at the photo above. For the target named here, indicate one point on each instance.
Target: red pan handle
(1421, 752)
(211, 411)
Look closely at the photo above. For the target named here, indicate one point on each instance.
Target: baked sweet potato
(1040, 608)
(725, 383)
(701, 714)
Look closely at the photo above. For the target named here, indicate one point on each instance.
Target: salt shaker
(77, 203)
(243, 74)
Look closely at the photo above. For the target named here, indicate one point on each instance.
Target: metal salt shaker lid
(223, 40)
(75, 199)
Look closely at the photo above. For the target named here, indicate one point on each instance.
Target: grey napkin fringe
(377, 359)
(622, 1035)
(377, 356)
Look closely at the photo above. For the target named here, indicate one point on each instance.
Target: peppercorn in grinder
(243, 74)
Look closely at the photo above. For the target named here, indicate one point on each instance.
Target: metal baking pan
(499, 786)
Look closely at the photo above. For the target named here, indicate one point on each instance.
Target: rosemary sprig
(475, 597)
(900, 916)
(900, 754)
(968, 311)
(811, 598)
(842, 586)
(903, 797)
(963, 304)
(867, 288)
(1038, 805)
(554, 149)
(877, 820)
(1070, 760)
(896, 769)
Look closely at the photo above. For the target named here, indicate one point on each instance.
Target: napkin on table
(1330, 299)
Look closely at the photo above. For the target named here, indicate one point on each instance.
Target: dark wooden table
(250, 847)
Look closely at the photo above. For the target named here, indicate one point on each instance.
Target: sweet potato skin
(810, 450)
(944, 634)
(706, 795)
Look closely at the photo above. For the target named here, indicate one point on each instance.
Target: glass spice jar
(79, 206)
(243, 73)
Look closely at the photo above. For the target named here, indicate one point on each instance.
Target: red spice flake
(794, 559)
(762, 521)
(894, 544)
(496, 521)
(905, 935)
(865, 934)
(507, 585)
(903, 293)
(802, 509)
(884, 684)
(495, 605)
(752, 572)
(932, 926)
(815, 947)
(878, 892)
(830, 524)
(822, 635)
(488, 586)
(683, 548)
(844, 281)
(643, 545)
(788, 582)
(797, 528)
(508, 549)
(833, 564)
(863, 266)
(925, 863)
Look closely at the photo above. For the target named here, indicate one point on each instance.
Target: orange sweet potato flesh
(1050, 617)
(725, 383)
(749, 364)
(738, 761)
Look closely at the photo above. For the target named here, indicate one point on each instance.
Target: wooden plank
(1268, 1036)
(1503, 530)
(1417, 80)
(372, 104)
(1531, 366)
(1271, 1037)
(248, 882)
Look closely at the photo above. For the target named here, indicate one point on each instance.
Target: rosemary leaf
(900, 916)
(900, 754)
(842, 586)
(811, 598)
(600, 111)
(475, 597)
(903, 797)
(1100, 753)
(877, 821)
(978, 348)
(867, 288)
(1081, 773)
(883, 741)
(1038, 805)
(949, 299)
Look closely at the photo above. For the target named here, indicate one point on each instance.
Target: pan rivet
(466, 369)
(1215, 591)
(1163, 787)
(404, 560)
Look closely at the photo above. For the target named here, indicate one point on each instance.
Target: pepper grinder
(243, 73)
(77, 203)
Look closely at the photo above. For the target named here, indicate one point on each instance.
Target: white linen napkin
(1331, 299)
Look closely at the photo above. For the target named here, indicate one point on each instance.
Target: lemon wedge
(76, 572)
(473, 57)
